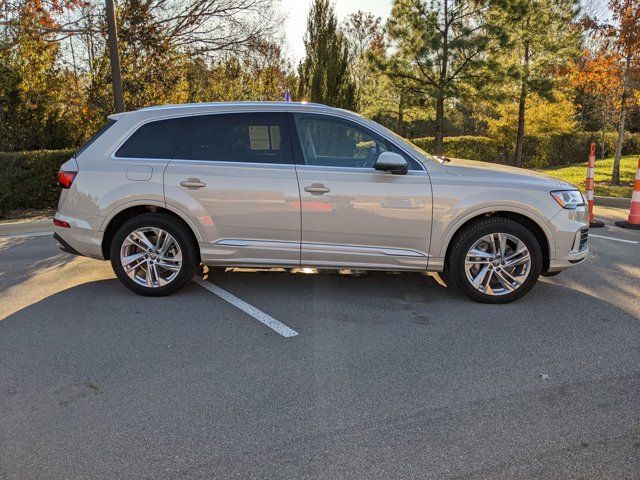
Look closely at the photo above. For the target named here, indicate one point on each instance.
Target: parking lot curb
(26, 227)
(614, 202)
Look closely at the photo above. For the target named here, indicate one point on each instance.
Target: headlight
(569, 199)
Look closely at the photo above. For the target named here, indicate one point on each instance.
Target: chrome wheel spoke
(149, 276)
(131, 262)
(481, 276)
(164, 243)
(514, 262)
(499, 243)
(505, 282)
(474, 252)
(168, 266)
(519, 250)
(140, 239)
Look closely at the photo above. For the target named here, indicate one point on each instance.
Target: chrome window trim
(230, 163)
(226, 111)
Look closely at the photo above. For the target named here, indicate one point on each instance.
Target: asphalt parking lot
(384, 376)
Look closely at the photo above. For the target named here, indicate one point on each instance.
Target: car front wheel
(494, 260)
(153, 254)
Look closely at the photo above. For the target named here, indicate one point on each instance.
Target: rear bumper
(79, 238)
(64, 246)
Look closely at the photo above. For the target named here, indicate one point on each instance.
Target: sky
(297, 11)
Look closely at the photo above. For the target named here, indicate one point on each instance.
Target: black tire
(550, 274)
(183, 237)
(464, 240)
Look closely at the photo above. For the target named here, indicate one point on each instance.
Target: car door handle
(317, 189)
(193, 183)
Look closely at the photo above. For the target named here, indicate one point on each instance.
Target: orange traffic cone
(634, 213)
(589, 190)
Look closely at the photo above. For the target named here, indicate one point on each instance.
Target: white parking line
(26, 235)
(632, 242)
(259, 315)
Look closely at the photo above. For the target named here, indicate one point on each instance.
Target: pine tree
(439, 49)
(543, 37)
(324, 75)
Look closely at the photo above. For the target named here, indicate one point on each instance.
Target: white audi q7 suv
(160, 190)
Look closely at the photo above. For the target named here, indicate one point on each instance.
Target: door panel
(368, 219)
(352, 214)
(247, 210)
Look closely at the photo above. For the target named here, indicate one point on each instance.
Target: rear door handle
(193, 183)
(317, 189)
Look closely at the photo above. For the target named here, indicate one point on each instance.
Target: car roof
(269, 104)
(162, 111)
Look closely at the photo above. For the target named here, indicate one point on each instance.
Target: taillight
(61, 223)
(65, 179)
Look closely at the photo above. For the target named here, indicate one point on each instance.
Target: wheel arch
(530, 221)
(119, 217)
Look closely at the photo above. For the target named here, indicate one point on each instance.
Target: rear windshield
(94, 137)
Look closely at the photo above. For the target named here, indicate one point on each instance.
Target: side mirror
(392, 162)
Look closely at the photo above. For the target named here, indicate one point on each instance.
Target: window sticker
(259, 137)
(275, 137)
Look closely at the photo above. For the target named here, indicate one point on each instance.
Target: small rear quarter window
(157, 139)
(95, 136)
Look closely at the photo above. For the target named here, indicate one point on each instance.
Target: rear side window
(238, 137)
(157, 139)
(95, 136)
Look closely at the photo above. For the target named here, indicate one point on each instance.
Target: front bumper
(570, 232)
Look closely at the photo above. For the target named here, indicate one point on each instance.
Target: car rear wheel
(494, 260)
(153, 254)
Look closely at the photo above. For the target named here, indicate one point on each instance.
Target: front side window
(238, 137)
(157, 139)
(334, 142)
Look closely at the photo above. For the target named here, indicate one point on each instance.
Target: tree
(324, 74)
(543, 38)
(543, 117)
(29, 76)
(363, 31)
(625, 43)
(439, 48)
(264, 74)
(153, 71)
(597, 77)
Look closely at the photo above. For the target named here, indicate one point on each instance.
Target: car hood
(494, 171)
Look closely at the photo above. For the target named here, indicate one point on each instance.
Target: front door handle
(317, 189)
(193, 183)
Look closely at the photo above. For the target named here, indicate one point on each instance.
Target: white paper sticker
(259, 137)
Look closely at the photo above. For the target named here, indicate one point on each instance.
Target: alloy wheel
(151, 257)
(498, 264)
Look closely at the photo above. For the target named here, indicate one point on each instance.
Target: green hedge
(539, 150)
(28, 179)
(469, 147)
